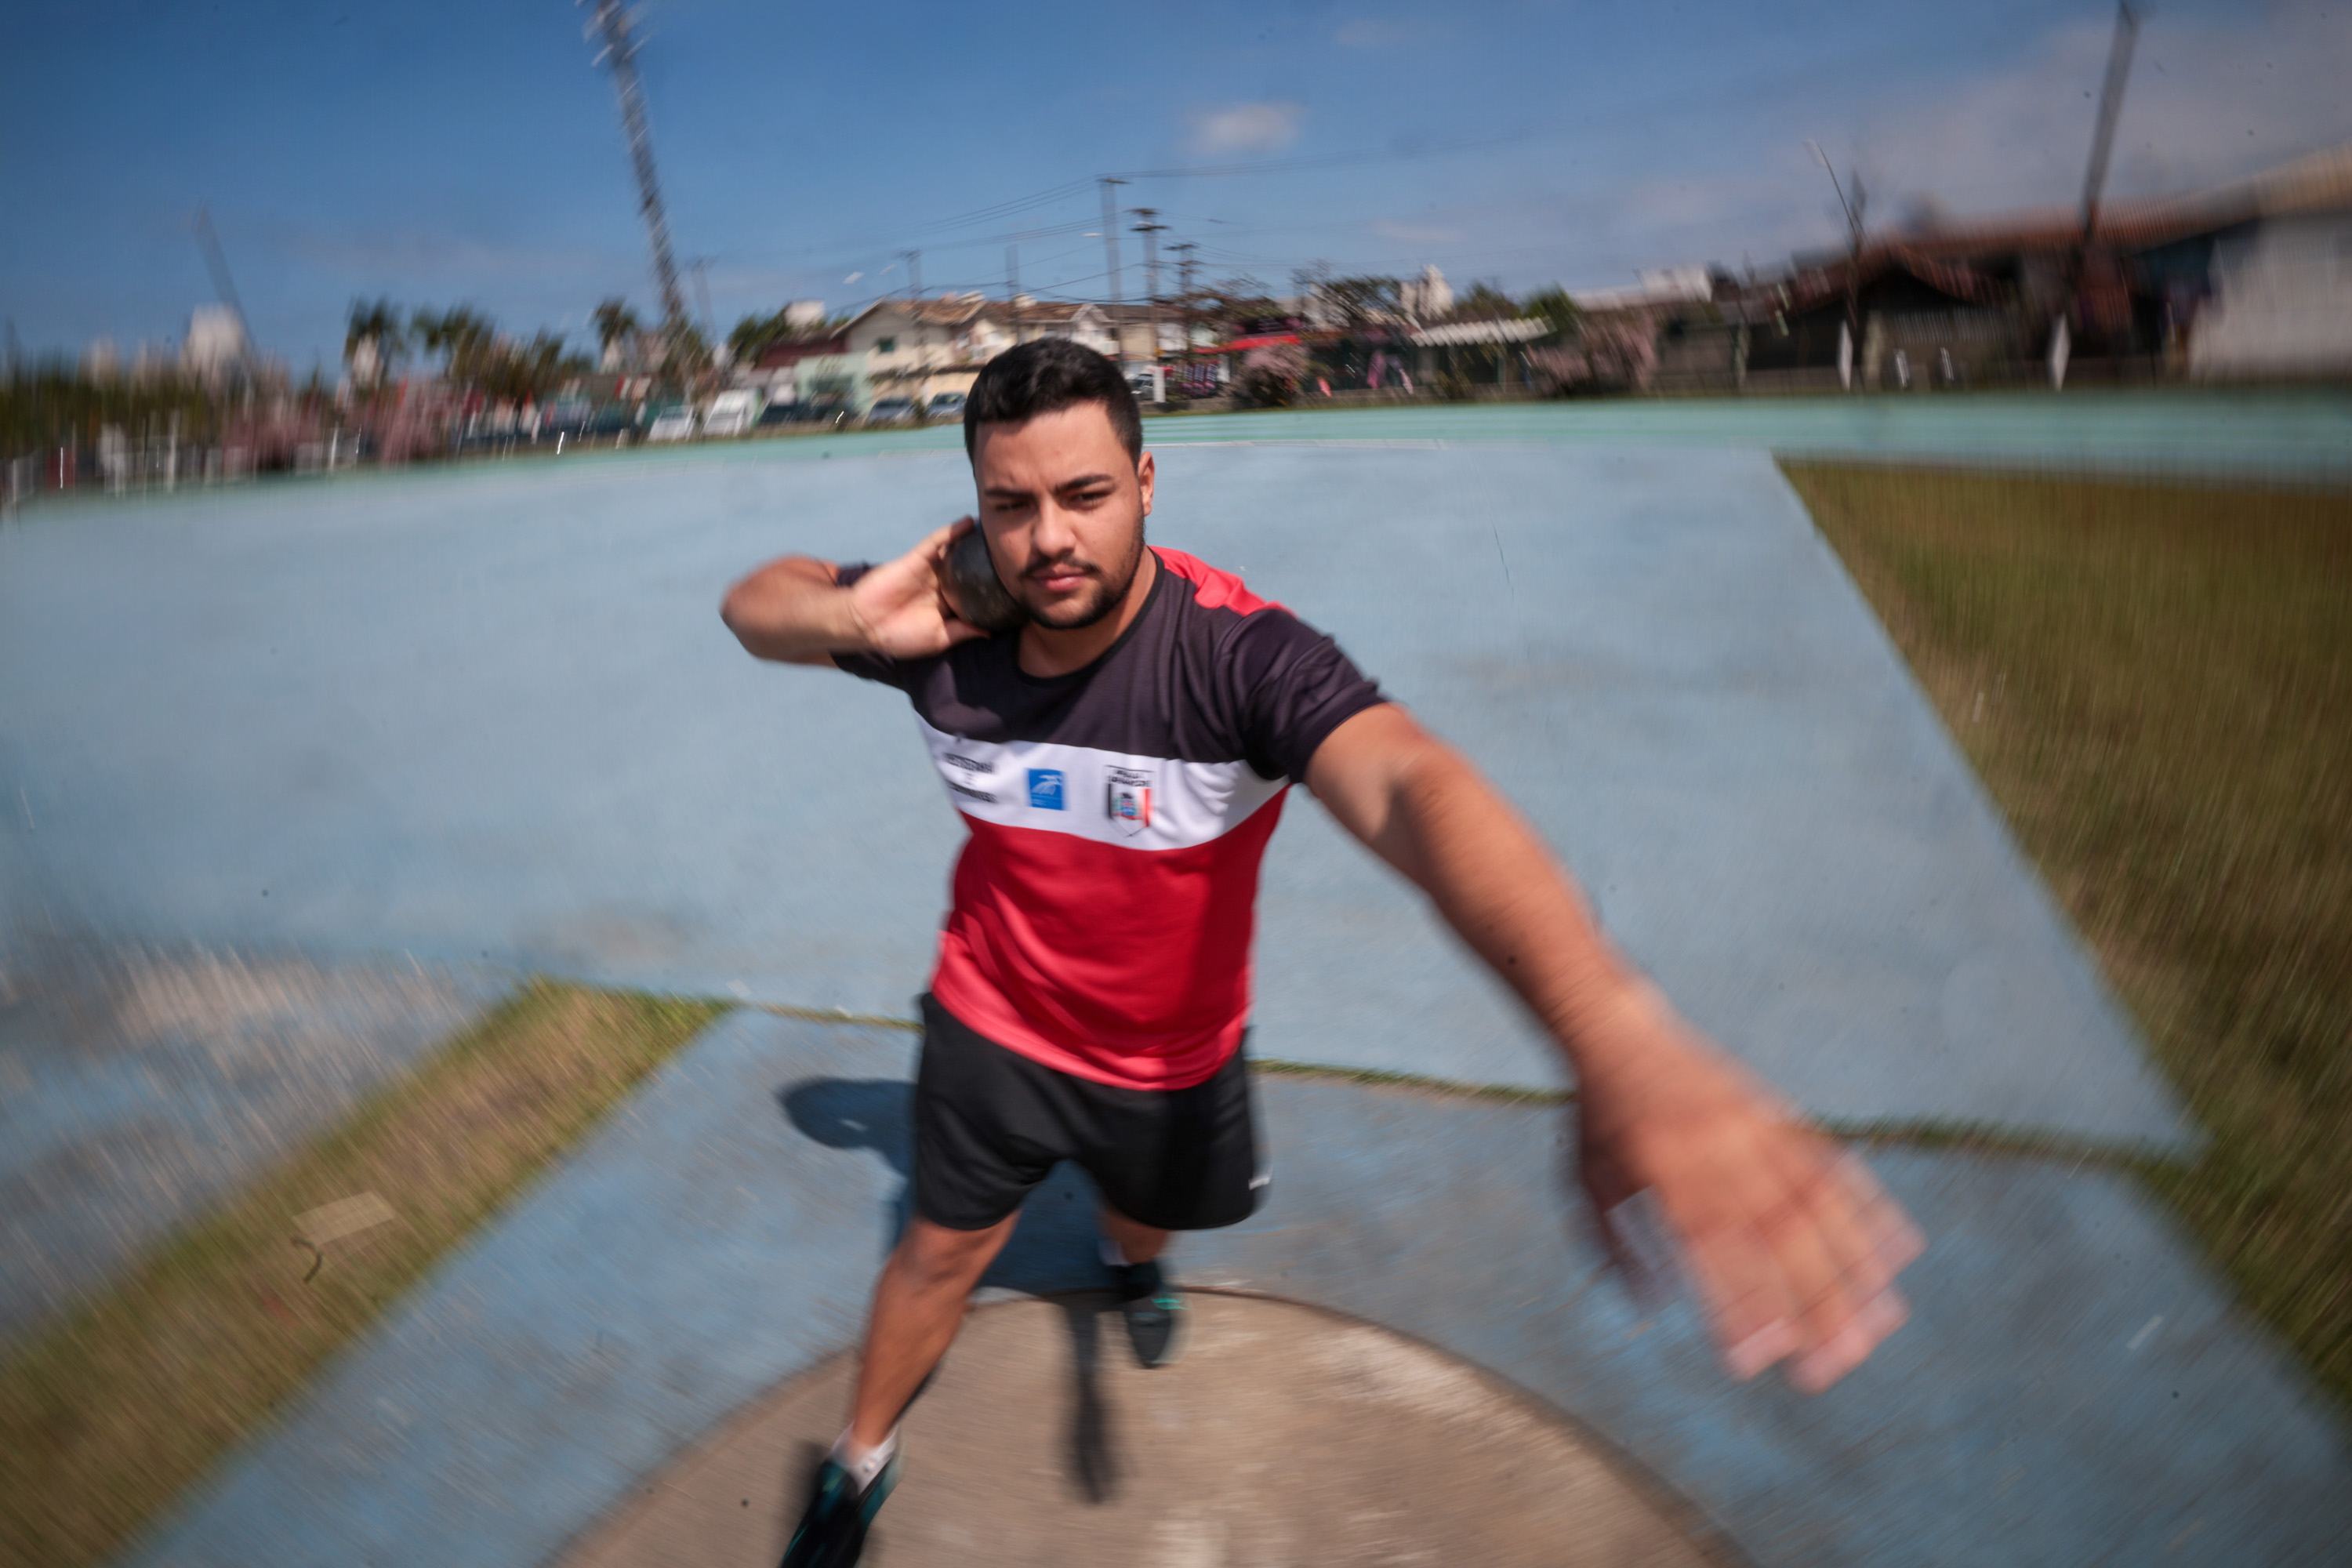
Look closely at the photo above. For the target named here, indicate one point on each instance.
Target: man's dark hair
(1044, 377)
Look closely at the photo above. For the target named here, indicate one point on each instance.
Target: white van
(733, 413)
(1147, 382)
(674, 422)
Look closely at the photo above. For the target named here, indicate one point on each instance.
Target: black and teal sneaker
(1157, 1321)
(833, 1530)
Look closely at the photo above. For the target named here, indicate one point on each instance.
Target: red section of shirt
(1121, 965)
(1212, 589)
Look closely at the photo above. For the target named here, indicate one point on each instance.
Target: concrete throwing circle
(1286, 1435)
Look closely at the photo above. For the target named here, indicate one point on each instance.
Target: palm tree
(375, 340)
(616, 324)
(461, 332)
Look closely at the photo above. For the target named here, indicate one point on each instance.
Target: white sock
(1111, 1252)
(864, 1464)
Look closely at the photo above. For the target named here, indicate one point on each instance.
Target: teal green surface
(2283, 434)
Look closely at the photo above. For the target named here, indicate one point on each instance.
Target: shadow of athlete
(1121, 760)
(1052, 1249)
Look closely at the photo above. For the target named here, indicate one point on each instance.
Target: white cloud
(1245, 128)
(2205, 104)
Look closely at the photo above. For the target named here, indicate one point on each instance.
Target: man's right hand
(901, 606)
(793, 610)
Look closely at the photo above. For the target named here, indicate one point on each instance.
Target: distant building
(2280, 278)
(1427, 297)
(1656, 286)
(216, 344)
(1142, 332)
(921, 348)
(2249, 280)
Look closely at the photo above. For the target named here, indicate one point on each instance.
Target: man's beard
(1109, 592)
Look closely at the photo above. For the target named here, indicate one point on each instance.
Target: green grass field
(109, 1413)
(2155, 682)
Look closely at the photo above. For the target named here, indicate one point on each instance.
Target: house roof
(1038, 312)
(1454, 335)
(785, 352)
(2320, 181)
(1954, 278)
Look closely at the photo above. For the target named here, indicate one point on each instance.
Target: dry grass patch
(106, 1417)
(2155, 681)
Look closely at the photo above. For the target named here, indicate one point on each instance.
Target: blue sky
(438, 153)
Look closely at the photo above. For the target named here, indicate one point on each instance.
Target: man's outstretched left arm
(1787, 1236)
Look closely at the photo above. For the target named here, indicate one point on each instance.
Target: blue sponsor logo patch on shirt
(1046, 789)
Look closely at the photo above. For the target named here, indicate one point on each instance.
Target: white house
(2281, 283)
(921, 348)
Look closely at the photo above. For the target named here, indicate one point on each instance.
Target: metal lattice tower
(611, 22)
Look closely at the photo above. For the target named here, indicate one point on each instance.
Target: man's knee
(937, 1259)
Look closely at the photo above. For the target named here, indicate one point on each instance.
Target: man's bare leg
(1154, 1311)
(919, 1305)
(1137, 1243)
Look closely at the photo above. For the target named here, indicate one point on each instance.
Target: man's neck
(1046, 652)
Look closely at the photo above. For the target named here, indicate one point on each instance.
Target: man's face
(1063, 508)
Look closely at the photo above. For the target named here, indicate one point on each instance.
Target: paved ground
(488, 717)
(1289, 1437)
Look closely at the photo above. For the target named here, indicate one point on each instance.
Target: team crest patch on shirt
(1046, 789)
(1129, 800)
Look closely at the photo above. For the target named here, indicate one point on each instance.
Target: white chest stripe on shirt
(1142, 803)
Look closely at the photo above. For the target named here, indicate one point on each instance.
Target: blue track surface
(2072, 1390)
(489, 714)
(494, 717)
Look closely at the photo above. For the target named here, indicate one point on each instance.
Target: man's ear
(1143, 477)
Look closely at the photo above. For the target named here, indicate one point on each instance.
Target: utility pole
(1854, 210)
(611, 22)
(2111, 108)
(1012, 289)
(914, 260)
(2094, 180)
(1150, 231)
(1110, 245)
(1184, 249)
(216, 261)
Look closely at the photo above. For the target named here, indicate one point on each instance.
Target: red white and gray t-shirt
(1104, 905)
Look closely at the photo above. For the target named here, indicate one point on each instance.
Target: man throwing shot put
(1121, 759)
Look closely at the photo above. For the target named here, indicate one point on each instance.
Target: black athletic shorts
(989, 1123)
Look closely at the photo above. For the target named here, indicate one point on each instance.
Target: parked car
(674, 422)
(799, 414)
(891, 411)
(732, 412)
(946, 405)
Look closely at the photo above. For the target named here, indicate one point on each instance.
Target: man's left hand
(1788, 1240)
